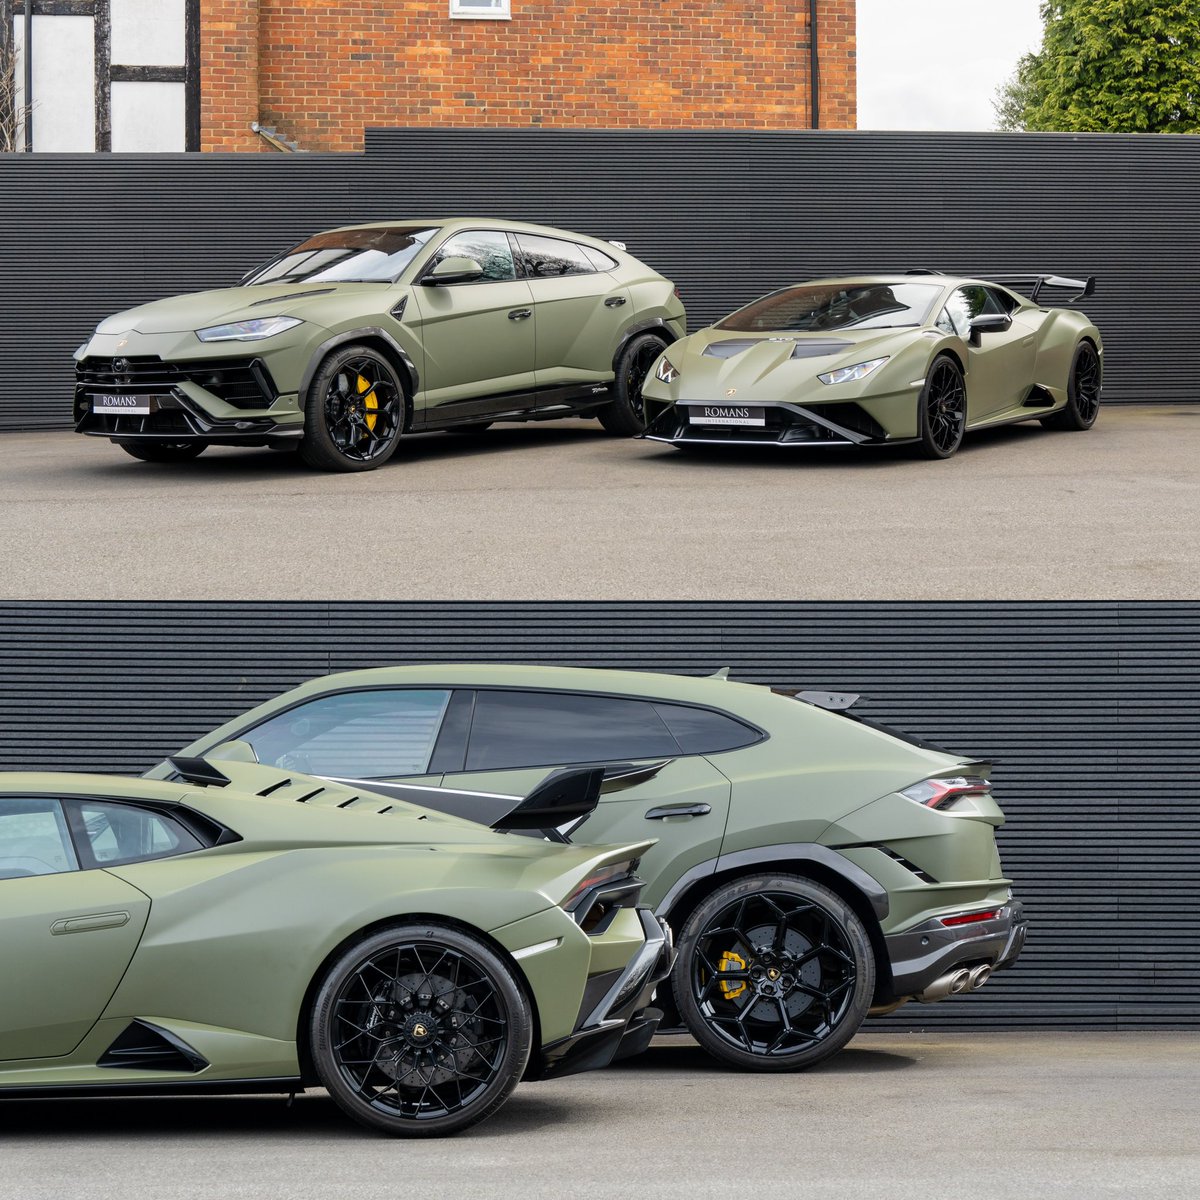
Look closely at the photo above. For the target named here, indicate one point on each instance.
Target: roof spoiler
(831, 701)
(198, 770)
(565, 795)
(1034, 284)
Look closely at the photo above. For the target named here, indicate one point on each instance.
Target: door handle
(85, 924)
(519, 314)
(614, 302)
(678, 810)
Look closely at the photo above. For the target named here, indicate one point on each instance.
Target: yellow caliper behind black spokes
(366, 389)
(731, 989)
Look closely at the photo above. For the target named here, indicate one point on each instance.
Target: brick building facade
(321, 71)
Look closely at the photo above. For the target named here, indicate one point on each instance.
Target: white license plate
(136, 406)
(726, 414)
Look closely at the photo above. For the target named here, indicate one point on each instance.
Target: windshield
(347, 255)
(816, 308)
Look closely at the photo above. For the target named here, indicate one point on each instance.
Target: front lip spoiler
(920, 955)
(617, 1026)
(672, 419)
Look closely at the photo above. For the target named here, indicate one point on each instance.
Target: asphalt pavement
(561, 511)
(902, 1117)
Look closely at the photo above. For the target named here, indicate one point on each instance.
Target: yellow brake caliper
(367, 391)
(732, 961)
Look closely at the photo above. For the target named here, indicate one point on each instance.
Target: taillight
(970, 918)
(603, 875)
(677, 295)
(938, 793)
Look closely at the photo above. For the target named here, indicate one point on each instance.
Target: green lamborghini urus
(356, 337)
(243, 928)
(816, 867)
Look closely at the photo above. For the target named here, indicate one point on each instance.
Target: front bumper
(615, 1020)
(838, 424)
(923, 954)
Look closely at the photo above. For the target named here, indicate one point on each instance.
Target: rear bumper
(921, 955)
(620, 1023)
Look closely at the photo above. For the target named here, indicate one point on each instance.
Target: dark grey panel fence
(727, 215)
(1091, 710)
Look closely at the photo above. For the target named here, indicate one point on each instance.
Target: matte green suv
(815, 867)
(250, 929)
(341, 345)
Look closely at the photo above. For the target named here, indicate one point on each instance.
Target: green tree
(1109, 66)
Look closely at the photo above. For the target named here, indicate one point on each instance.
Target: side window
(966, 303)
(34, 839)
(111, 833)
(553, 256)
(602, 262)
(701, 731)
(488, 247)
(355, 735)
(999, 302)
(534, 729)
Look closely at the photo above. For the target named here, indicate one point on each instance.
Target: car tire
(354, 412)
(433, 1054)
(942, 409)
(164, 452)
(1083, 392)
(780, 1005)
(625, 414)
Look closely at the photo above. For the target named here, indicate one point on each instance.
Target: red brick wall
(322, 71)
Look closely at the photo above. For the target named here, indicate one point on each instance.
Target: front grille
(242, 383)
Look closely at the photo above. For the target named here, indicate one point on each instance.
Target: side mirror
(453, 270)
(988, 323)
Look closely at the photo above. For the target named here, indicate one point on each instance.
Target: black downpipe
(814, 69)
(28, 64)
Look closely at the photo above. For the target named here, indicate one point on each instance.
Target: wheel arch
(656, 325)
(859, 890)
(374, 338)
(308, 1071)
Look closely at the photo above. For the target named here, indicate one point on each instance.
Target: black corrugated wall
(1091, 710)
(728, 215)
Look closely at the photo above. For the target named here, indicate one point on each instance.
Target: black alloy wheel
(775, 973)
(354, 413)
(420, 1031)
(164, 452)
(625, 414)
(1083, 392)
(942, 409)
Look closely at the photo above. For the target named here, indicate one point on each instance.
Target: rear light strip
(938, 793)
(971, 918)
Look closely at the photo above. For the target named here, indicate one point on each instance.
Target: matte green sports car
(814, 865)
(343, 344)
(251, 929)
(919, 358)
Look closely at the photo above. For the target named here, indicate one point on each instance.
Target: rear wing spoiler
(1034, 285)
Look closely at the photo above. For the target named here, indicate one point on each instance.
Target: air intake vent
(146, 1047)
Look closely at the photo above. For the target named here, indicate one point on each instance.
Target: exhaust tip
(960, 981)
(980, 975)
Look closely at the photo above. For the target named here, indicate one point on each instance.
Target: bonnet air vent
(146, 1047)
(728, 349)
(801, 347)
(815, 349)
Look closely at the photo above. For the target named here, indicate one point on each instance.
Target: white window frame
(498, 10)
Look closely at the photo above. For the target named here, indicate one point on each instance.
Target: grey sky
(936, 64)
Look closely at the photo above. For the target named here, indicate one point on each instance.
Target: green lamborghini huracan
(356, 337)
(246, 928)
(920, 358)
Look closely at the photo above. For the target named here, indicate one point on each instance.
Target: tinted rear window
(701, 731)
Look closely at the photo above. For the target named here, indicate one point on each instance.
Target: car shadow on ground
(314, 1114)
(839, 457)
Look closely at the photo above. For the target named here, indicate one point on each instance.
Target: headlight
(665, 371)
(850, 374)
(248, 331)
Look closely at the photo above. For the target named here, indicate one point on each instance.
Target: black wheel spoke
(362, 408)
(422, 1030)
(789, 965)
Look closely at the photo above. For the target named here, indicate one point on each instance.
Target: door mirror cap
(988, 323)
(453, 270)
